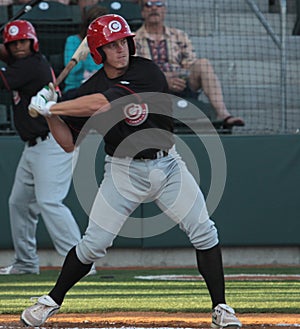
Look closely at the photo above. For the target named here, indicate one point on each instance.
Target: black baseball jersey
(24, 78)
(140, 102)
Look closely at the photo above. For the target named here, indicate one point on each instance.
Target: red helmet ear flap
(131, 45)
(101, 54)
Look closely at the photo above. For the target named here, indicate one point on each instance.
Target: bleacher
(249, 63)
(246, 58)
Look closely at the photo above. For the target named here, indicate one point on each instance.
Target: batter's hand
(49, 93)
(41, 105)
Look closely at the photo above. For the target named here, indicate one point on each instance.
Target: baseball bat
(25, 9)
(80, 54)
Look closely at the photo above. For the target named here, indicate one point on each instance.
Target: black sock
(210, 266)
(72, 271)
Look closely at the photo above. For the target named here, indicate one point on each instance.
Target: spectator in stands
(84, 69)
(173, 52)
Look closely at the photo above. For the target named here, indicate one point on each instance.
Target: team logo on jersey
(115, 26)
(135, 114)
(13, 30)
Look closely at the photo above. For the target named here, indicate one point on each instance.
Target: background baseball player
(141, 163)
(44, 171)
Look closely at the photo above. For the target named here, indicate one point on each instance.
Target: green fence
(259, 207)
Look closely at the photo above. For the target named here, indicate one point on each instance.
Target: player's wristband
(47, 108)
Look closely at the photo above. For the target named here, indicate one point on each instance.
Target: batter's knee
(203, 235)
(87, 254)
(94, 244)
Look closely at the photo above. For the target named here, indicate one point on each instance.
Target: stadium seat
(6, 116)
(194, 116)
(57, 62)
(296, 29)
(3, 19)
(53, 21)
(129, 10)
(3, 16)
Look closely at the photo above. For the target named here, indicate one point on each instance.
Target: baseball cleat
(11, 269)
(38, 313)
(93, 271)
(223, 316)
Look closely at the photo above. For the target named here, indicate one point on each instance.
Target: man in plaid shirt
(172, 50)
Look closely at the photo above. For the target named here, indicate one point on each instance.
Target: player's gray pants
(41, 183)
(127, 183)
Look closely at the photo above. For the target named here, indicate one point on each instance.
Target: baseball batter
(44, 171)
(141, 163)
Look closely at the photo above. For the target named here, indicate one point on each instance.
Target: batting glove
(39, 104)
(48, 93)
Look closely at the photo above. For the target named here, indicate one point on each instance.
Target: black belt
(151, 155)
(34, 141)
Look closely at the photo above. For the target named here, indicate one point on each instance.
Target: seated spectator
(173, 52)
(84, 69)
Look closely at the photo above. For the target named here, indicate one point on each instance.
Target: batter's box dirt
(138, 320)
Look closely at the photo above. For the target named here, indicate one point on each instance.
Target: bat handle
(33, 113)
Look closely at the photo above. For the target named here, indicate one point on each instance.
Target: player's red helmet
(106, 29)
(18, 30)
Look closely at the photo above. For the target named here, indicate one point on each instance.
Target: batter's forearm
(61, 132)
(82, 106)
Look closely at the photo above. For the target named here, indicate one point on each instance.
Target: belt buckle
(161, 154)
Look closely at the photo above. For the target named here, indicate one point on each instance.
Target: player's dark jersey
(24, 78)
(141, 113)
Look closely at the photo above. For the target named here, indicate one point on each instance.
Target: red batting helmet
(18, 30)
(106, 29)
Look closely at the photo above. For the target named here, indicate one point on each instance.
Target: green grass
(123, 292)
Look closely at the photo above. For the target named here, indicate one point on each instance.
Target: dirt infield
(154, 320)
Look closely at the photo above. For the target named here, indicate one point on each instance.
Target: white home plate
(242, 277)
